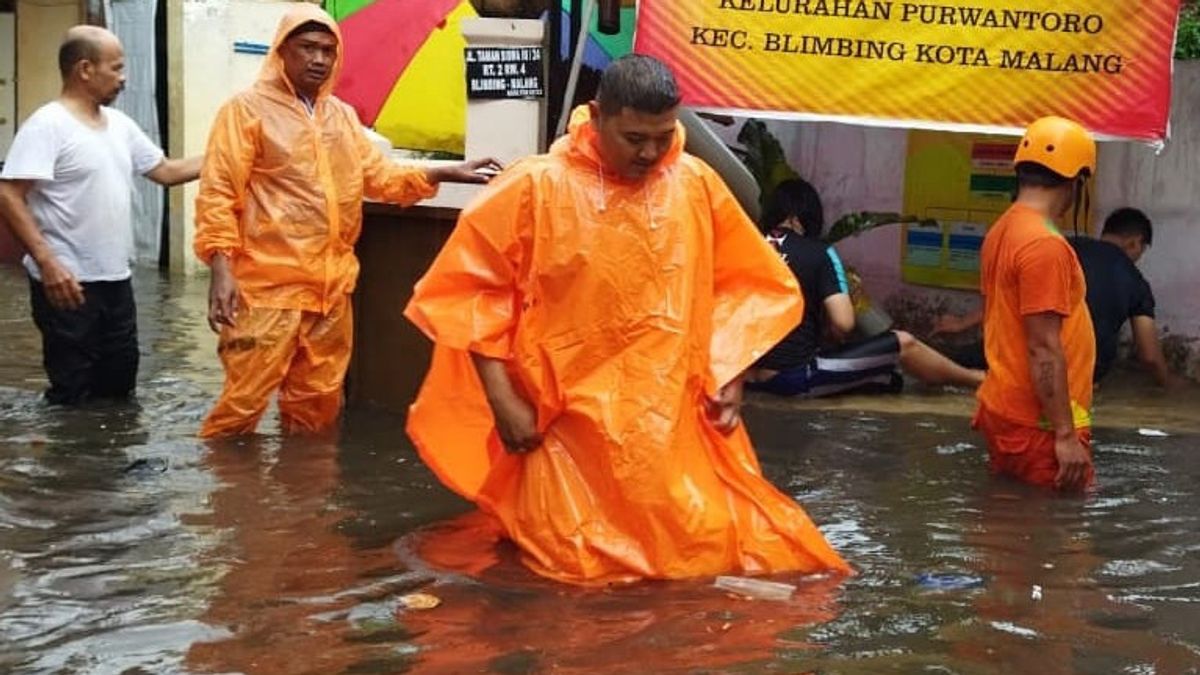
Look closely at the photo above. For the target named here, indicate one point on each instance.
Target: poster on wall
(963, 65)
(960, 183)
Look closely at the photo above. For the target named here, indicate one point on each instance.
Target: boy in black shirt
(1116, 292)
(803, 364)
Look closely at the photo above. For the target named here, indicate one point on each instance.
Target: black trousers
(90, 352)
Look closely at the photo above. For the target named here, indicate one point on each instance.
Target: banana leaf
(764, 157)
(854, 224)
(766, 160)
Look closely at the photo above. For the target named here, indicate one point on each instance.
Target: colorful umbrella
(403, 69)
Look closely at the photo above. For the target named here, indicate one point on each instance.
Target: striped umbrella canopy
(403, 69)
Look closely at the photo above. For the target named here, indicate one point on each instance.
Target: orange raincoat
(281, 194)
(618, 305)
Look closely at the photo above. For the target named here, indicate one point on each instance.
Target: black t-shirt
(820, 273)
(1116, 292)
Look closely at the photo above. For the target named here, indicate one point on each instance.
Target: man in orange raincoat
(279, 211)
(593, 312)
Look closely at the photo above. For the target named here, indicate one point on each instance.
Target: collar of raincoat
(581, 145)
(300, 13)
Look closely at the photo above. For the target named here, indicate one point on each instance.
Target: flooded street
(129, 546)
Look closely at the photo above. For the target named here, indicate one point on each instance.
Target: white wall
(40, 28)
(206, 75)
(1167, 188)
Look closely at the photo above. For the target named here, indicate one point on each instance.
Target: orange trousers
(1024, 453)
(303, 355)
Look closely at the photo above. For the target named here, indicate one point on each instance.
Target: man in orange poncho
(279, 211)
(593, 312)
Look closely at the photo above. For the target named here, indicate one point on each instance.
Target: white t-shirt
(81, 197)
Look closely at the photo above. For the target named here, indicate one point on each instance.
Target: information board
(505, 72)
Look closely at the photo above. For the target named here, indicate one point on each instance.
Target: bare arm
(1048, 370)
(516, 419)
(62, 289)
(950, 323)
(474, 171)
(387, 181)
(1149, 350)
(176, 171)
(840, 310)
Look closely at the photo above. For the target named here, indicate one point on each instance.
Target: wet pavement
(128, 546)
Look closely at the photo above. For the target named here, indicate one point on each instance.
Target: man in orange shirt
(1034, 404)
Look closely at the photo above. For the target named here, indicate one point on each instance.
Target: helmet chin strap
(1083, 200)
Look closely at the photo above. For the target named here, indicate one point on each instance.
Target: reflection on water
(126, 545)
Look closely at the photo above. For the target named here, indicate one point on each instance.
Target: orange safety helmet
(1058, 144)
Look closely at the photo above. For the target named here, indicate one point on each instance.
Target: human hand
(1073, 464)
(63, 290)
(222, 295)
(724, 410)
(516, 423)
(474, 171)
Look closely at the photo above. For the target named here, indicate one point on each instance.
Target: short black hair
(794, 197)
(637, 81)
(308, 27)
(1032, 174)
(1129, 222)
(75, 49)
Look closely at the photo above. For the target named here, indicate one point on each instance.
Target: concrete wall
(1167, 187)
(859, 168)
(204, 73)
(8, 75)
(40, 27)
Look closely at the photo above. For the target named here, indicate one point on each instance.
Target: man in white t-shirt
(66, 191)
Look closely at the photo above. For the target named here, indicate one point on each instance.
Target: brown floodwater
(129, 546)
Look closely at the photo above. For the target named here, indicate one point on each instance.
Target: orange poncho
(281, 190)
(617, 306)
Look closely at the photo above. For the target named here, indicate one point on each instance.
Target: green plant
(854, 224)
(763, 155)
(1187, 42)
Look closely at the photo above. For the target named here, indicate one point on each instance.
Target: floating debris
(147, 465)
(755, 588)
(418, 601)
(948, 581)
(1014, 629)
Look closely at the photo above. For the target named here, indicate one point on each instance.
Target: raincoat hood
(300, 13)
(581, 145)
(283, 182)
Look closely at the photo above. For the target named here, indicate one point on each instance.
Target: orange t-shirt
(1029, 268)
